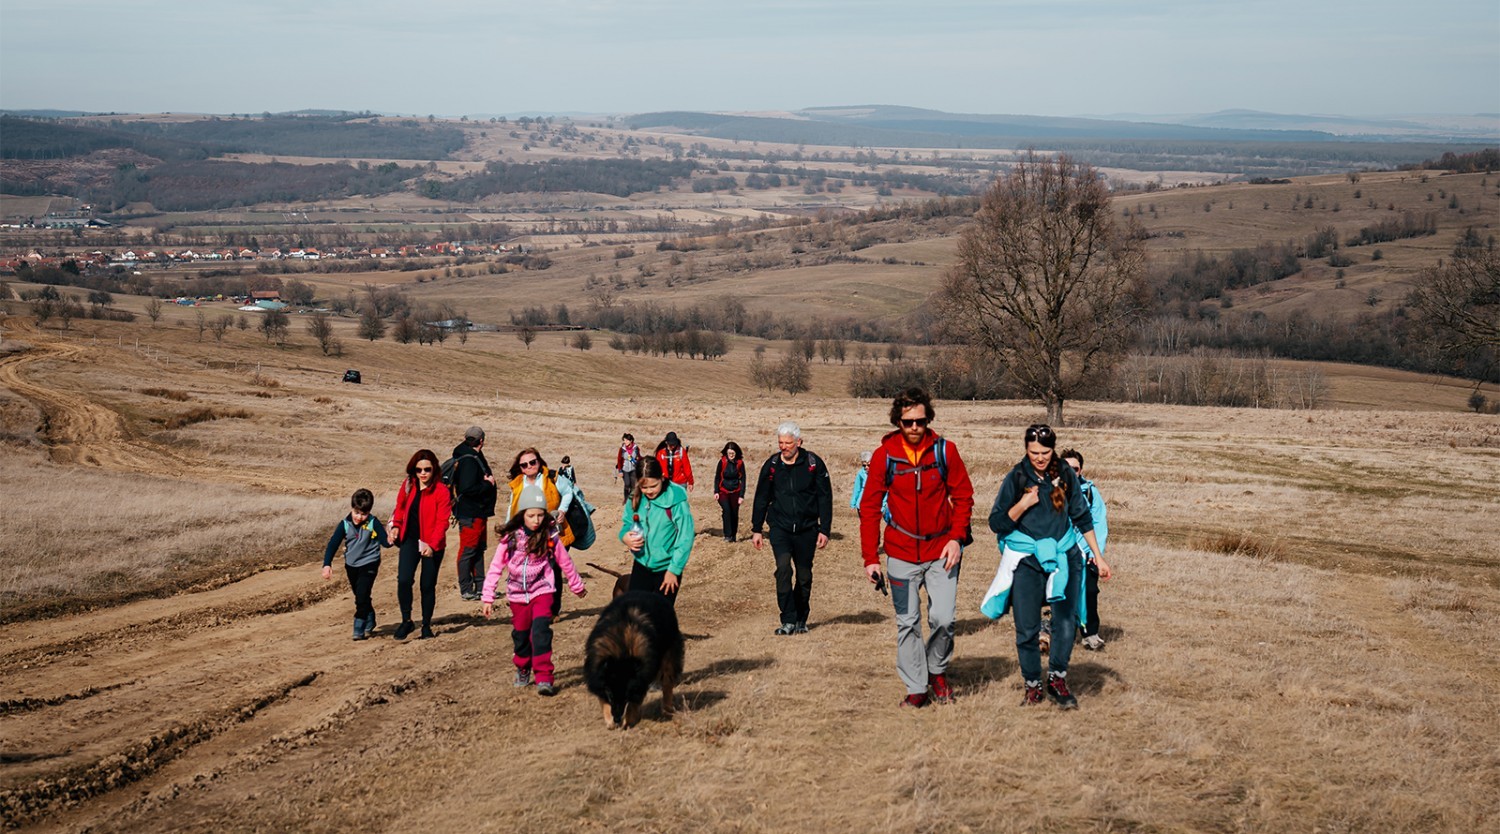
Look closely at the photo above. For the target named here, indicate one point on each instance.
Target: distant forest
(333, 137)
(619, 177)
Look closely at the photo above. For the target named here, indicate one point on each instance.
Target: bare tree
(1459, 301)
(371, 325)
(153, 310)
(794, 374)
(583, 341)
(1044, 279)
(527, 335)
(220, 326)
(321, 329)
(274, 324)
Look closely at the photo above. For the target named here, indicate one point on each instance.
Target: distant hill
(1146, 146)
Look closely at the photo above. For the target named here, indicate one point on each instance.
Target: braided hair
(1043, 434)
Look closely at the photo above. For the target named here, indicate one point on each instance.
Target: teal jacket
(1100, 515)
(1052, 555)
(668, 524)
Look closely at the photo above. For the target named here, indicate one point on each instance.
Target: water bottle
(636, 528)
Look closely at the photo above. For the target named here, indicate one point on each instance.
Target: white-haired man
(795, 496)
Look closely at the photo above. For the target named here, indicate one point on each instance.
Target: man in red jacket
(922, 480)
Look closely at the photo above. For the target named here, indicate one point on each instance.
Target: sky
(492, 57)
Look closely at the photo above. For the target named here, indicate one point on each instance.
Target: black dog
(635, 643)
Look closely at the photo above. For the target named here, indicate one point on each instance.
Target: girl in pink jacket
(529, 544)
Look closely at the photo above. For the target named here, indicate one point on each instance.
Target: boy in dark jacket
(794, 494)
(362, 535)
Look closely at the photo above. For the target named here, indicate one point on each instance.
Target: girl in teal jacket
(657, 526)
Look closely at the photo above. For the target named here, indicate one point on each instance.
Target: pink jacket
(529, 577)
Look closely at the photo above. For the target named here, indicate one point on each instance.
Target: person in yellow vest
(529, 471)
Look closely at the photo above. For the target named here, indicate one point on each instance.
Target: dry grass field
(1299, 634)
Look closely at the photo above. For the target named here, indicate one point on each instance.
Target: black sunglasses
(920, 421)
(1038, 432)
(531, 462)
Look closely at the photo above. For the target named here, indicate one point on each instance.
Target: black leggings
(731, 507)
(406, 571)
(643, 578)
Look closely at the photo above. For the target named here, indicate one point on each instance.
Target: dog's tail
(616, 574)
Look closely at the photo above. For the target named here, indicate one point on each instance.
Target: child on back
(529, 544)
(362, 535)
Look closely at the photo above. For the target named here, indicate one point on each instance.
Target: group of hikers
(912, 493)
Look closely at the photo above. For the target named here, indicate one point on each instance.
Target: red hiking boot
(942, 691)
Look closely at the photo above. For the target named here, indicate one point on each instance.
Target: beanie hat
(671, 439)
(864, 457)
(532, 498)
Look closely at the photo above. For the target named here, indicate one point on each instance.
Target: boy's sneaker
(523, 678)
(1093, 642)
(404, 630)
(426, 633)
(916, 700)
(787, 628)
(942, 691)
(1058, 689)
(800, 629)
(546, 688)
(1033, 696)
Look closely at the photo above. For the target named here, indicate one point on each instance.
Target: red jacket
(681, 469)
(920, 502)
(437, 505)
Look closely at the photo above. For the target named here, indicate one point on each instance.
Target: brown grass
(1297, 635)
(167, 394)
(202, 415)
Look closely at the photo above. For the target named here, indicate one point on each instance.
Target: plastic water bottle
(636, 528)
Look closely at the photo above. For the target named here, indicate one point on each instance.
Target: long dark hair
(1043, 434)
(732, 446)
(538, 544)
(647, 468)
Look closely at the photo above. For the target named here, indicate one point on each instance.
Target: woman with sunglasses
(530, 470)
(419, 526)
(1039, 516)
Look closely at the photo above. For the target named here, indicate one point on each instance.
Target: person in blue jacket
(1091, 639)
(1038, 516)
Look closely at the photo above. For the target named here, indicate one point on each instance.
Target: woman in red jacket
(674, 461)
(419, 527)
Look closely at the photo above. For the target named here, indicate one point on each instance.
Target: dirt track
(247, 707)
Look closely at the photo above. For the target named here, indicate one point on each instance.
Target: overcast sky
(469, 57)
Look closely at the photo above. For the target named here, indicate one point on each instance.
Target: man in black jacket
(796, 497)
(473, 486)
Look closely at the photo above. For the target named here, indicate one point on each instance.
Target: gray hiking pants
(915, 660)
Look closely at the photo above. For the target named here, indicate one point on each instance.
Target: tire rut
(135, 761)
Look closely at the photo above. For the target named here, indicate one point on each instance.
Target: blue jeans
(1028, 593)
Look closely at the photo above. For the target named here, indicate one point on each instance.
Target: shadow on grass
(733, 666)
(976, 625)
(1090, 678)
(859, 618)
(978, 672)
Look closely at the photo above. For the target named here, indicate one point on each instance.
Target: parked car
(351, 375)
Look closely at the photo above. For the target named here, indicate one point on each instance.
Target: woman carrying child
(529, 549)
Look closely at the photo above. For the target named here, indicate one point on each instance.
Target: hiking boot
(942, 691)
(468, 596)
(426, 633)
(1058, 688)
(916, 700)
(523, 678)
(546, 688)
(800, 629)
(404, 630)
(370, 625)
(1034, 695)
(1093, 642)
(787, 628)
